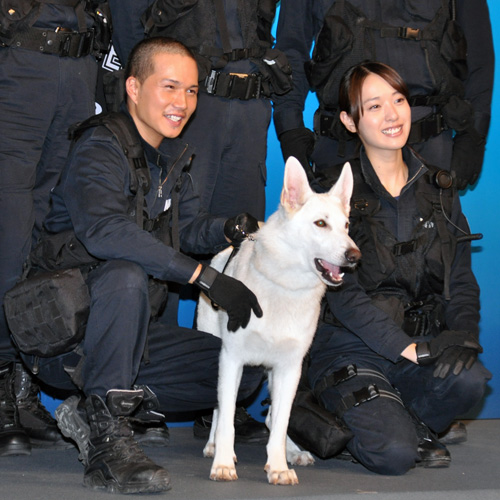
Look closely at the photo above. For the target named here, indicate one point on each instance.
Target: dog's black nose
(353, 255)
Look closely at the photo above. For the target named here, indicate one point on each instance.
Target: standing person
(126, 360)
(239, 72)
(442, 48)
(395, 354)
(48, 75)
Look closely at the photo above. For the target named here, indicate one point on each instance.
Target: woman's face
(386, 118)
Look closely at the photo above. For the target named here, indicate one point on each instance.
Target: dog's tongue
(329, 271)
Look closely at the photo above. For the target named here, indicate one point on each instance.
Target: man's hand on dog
(231, 295)
(237, 229)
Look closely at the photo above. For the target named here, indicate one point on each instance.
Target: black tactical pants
(180, 365)
(385, 439)
(41, 96)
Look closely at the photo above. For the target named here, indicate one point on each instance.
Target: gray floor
(474, 474)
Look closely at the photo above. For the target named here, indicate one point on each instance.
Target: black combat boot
(148, 423)
(33, 416)
(432, 453)
(116, 463)
(13, 438)
(246, 429)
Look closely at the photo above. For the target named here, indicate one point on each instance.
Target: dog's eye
(320, 223)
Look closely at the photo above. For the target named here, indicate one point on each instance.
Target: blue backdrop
(480, 206)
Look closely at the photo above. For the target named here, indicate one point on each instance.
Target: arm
(354, 309)
(94, 189)
(469, 146)
(298, 23)
(462, 310)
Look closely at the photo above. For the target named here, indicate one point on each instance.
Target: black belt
(235, 85)
(59, 42)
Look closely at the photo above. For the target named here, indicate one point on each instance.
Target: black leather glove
(467, 157)
(454, 360)
(298, 142)
(230, 294)
(238, 228)
(429, 352)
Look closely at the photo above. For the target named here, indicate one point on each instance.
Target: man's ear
(348, 122)
(132, 86)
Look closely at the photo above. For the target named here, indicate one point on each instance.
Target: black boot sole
(97, 481)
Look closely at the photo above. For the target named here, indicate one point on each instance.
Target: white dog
(288, 264)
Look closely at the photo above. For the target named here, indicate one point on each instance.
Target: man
(48, 74)
(232, 41)
(125, 355)
(443, 49)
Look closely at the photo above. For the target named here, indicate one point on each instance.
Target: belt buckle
(211, 81)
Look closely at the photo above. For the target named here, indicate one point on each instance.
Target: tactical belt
(234, 85)
(421, 130)
(61, 42)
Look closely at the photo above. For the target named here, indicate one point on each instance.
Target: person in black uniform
(126, 359)
(442, 48)
(48, 75)
(395, 353)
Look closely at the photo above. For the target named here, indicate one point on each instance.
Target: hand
(467, 157)
(298, 142)
(230, 294)
(429, 352)
(238, 228)
(454, 360)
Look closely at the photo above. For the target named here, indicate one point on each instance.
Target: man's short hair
(141, 64)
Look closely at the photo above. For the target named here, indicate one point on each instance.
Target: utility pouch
(423, 318)
(47, 311)
(61, 251)
(102, 29)
(315, 428)
(278, 70)
(14, 13)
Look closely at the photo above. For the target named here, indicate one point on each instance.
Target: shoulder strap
(126, 134)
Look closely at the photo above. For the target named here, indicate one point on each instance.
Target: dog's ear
(343, 187)
(296, 188)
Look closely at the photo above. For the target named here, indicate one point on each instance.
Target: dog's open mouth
(330, 273)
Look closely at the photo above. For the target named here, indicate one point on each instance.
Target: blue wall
(480, 205)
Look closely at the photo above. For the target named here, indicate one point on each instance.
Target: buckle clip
(211, 81)
(366, 394)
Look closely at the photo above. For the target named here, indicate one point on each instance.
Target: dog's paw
(223, 473)
(286, 477)
(209, 450)
(302, 458)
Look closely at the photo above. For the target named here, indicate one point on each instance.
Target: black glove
(429, 352)
(230, 294)
(467, 157)
(298, 142)
(454, 360)
(238, 228)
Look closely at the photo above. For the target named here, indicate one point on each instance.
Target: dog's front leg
(283, 382)
(230, 371)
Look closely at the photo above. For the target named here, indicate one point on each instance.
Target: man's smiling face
(162, 104)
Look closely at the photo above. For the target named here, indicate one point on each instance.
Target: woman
(396, 349)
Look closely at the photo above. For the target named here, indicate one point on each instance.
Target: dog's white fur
(279, 266)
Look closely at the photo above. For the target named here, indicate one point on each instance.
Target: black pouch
(47, 311)
(316, 429)
(278, 71)
(14, 13)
